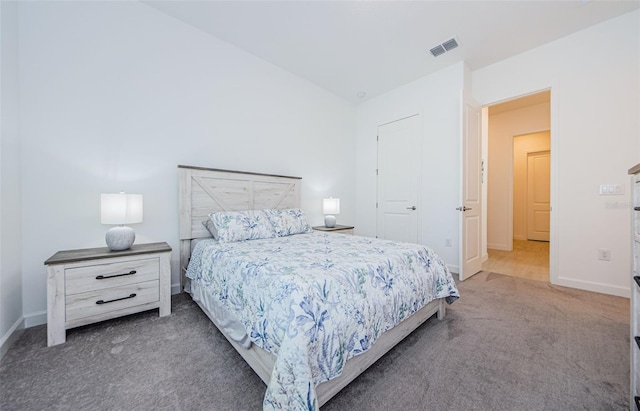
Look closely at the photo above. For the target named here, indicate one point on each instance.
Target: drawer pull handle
(636, 208)
(637, 401)
(637, 340)
(104, 277)
(637, 279)
(117, 299)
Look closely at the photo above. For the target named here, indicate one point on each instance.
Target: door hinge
(377, 138)
(376, 171)
(376, 204)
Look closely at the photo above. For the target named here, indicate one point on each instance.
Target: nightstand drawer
(98, 302)
(99, 276)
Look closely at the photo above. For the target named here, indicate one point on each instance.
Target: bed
(300, 308)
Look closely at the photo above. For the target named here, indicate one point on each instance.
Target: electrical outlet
(604, 255)
(447, 242)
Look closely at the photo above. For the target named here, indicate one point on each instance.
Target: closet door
(399, 169)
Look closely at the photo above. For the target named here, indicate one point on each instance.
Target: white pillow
(211, 228)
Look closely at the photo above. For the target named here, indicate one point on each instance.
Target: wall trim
(593, 286)
(500, 247)
(35, 319)
(11, 336)
(453, 269)
(175, 289)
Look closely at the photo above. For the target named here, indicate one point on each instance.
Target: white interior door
(471, 187)
(538, 190)
(399, 148)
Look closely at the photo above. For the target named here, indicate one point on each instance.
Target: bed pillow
(288, 221)
(233, 226)
(211, 228)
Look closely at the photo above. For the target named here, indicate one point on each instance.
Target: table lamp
(330, 206)
(120, 209)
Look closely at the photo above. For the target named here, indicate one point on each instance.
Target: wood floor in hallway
(529, 259)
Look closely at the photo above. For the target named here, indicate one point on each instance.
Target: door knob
(464, 208)
(411, 208)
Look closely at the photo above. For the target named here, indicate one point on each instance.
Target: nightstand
(95, 284)
(342, 229)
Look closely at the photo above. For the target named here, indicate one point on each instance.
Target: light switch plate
(611, 189)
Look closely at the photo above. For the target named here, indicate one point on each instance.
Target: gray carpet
(507, 344)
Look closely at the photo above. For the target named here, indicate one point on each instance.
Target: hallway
(529, 259)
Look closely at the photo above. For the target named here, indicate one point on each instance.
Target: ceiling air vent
(437, 50)
(444, 47)
(450, 44)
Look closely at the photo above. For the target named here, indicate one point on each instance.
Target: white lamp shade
(331, 206)
(120, 208)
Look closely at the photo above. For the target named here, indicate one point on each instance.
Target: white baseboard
(485, 257)
(175, 289)
(501, 247)
(593, 286)
(37, 318)
(11, 336)
(453, 269)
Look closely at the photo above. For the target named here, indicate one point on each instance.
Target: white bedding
(315, 300)
(222, 317)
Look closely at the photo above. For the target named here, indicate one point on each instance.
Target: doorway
(518, 192)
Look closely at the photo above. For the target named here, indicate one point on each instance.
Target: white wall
(503, 127)
(437, 99)
(10, 211)
(114, 95)
(595, 135)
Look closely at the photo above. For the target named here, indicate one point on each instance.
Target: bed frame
(207, 190)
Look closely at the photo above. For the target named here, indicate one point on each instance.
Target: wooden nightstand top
(70, 256)
(336, 228)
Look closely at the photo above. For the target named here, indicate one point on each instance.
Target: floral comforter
(315, 300)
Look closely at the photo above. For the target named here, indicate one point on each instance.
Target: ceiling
(351, 47)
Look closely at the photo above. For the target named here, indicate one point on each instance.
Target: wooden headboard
(208, 190)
